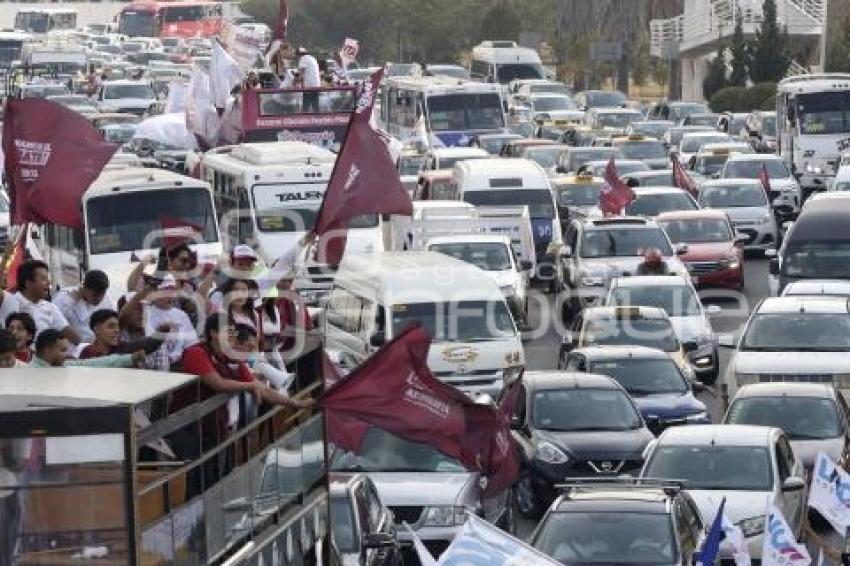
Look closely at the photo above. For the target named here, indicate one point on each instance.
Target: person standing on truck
(77, 304)
(32, 298)
(310, 77)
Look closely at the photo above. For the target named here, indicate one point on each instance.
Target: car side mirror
(712, 310)
(793, 484)
(681, 249)
(377, 339)
(379, 540)
(773, 266)
(525, 265)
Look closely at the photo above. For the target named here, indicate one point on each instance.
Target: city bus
(453, 111)
(813, 126)
(43, 20)
(171, 19)
(127, 214)
(91, 461)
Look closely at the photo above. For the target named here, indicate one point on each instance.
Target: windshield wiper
(654, 391)
(589, 429)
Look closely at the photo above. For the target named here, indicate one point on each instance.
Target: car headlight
(813, 169)
(702, 361)
(551, 454)
(443, 516)
(746, 378)
(508, 290)
(697, 417)
(752, 526)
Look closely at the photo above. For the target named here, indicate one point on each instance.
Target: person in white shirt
(77, 304)
(310, 77)
(159, 312)
(33, 290)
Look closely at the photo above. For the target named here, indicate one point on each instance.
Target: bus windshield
(465, 111)
(34, 22)
(539, 201)
(183, 14)
(824, 112)
(133, 221)
(518, 71)
(137, 23)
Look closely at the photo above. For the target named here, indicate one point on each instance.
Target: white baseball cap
(243, 252)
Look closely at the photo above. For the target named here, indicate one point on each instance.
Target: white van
(475, 346)
(432, 218)
(503, 62)
(510, 183)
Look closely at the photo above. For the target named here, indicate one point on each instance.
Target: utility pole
(824, 39)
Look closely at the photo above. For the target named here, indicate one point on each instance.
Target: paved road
(541, 352)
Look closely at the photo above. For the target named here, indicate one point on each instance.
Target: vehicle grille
(406, 513)
(796, 377)
(702, 267)
(750, 234)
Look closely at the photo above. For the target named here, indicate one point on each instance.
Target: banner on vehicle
(244, 45)
(479, 542)
(780, 546)
(830, 493)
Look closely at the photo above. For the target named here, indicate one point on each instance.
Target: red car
(715, 256)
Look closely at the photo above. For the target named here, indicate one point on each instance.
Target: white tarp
(167, 129)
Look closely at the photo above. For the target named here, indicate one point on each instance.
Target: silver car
(785, 193)
(745, 202)
(813, 415)
(424, 488)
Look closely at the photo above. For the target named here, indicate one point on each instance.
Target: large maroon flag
(364, 180)
(764, 178)
(52, 156)
(681, 178)
(394, 390)
(615, 195)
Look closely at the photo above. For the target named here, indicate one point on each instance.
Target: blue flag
(711, 546)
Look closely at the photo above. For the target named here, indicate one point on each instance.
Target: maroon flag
(615, 195)
(52, 155)
(765, 180)
(282, 23)
(681, 178)
(364, 180)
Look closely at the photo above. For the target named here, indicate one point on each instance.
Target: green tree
(769, 52)
(501, 22)
(715, 80)
(641, 65)
(740, 54)
(838, 54)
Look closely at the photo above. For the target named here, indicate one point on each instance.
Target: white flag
(201, 117)
(830, 493)
(348, 53)
(176, 101)
(735, 537)
(780, 545)
(225, 74)
(425, 558)
(479, 542)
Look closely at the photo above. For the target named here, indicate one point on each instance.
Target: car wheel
(526, 498)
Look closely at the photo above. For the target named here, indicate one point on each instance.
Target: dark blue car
(662, 394)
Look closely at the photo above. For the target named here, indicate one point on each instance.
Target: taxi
(647, 149)
(577, 196)
(708, 162)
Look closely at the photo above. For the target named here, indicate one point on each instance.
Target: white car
(133, 97)
(818, 287)
(495, 256)
(746, 204)
(749, 466)
(652, 201)
(678, 298)
(785, 193)
(692, 143)
(793, 339)
(446, 157)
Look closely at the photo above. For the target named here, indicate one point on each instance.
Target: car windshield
(802, 418)
(652, 333)
(578, 194)
(623, 168)
(121, 134)
(605, 99)
(492, 145)
(546, 157)
(547, 103)
(127, 91)
(484, 255)
(608, 538)
(584, 409)
(449, 71)
(841, 186)
(618, 120)
(124, 222)
(817, 260)
(623, 242)
(710, 164)
(676, 134)
(651, 129)
(539, 201)
(675, 300)
(579, 157)
(697, 230)
(656, 179)
(692, 144)
(385, 452)
(642, 150)
(410, 164)
(643, 376)
(505, 73)
(824, 112)
(798, 331)
(465, 111)
(459, 321)
(702, 120)
(680, 111)
(556, 88)
(653, 205)
(751, 168)
(732, 196)
(727, 468)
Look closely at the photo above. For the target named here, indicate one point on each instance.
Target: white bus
(504, 61)
(268, 195)
(453, 111)
(813, 126)
(126, 214)
(43, 20)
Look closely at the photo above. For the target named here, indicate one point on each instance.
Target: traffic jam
(268, 304)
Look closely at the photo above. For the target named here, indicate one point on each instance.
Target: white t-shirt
(309, 68)
(44, 313)
(177, 340)
(78, 312)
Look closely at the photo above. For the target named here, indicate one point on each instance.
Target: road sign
(606, 51)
